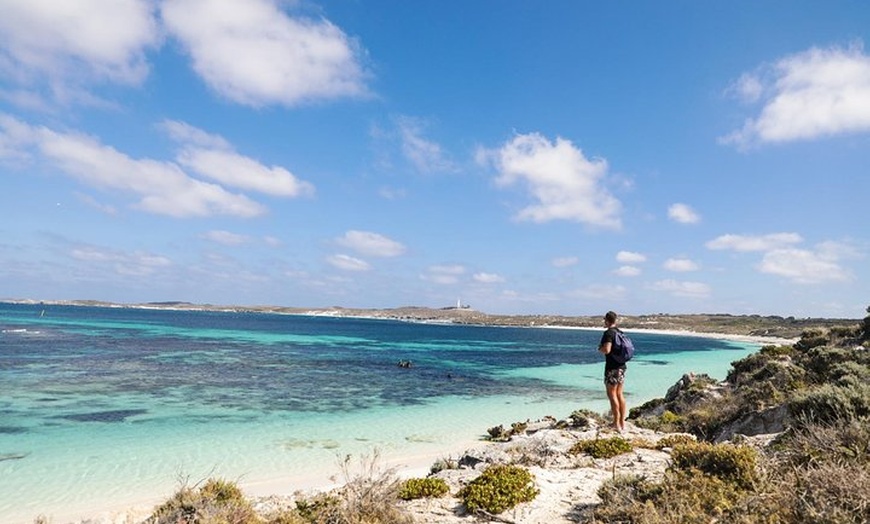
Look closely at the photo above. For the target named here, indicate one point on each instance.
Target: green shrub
(418, 488)
(498, 488)
(670, 418)
(777, 351)
(829, 403)
(217, 501)
(851, 372)
(733, 464)
(682, 497)
(602, 448)
(811, 338)
(323, 507)
(675, 440)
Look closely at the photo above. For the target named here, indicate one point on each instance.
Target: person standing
(614, 372)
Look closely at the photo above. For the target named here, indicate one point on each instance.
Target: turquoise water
(103, 409)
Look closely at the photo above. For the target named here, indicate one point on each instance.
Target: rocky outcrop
(764, 422)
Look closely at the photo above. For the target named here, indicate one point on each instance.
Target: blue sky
(557, 157)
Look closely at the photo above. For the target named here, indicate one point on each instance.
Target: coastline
(282, 490)
(406, 466)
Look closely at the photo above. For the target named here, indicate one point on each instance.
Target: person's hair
(611, 317)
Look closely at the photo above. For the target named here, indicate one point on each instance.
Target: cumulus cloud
(488, 278)
(211, 156)
(348, 263)
(781, 257)
(630, 257)
(564, 184)
(371, 244)
(803, 266)
(682, 289)
(683, 214)
(680, 265)
(815, 93)
(565, 261)
(754, 243)
(627, 271)
(426, 156)
(162, 187)
(58, 42)
(256, 54)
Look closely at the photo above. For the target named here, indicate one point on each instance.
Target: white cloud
(256, 54)
(565, 261)
(212, 156)
(426, 155)
(680, 265)
(627, 271)
(348, 263)
(683, 214)
(58, 42)
(816, 93)
(444, 274)
(136, 263)
(488, 278)
(682, 289)
(564, 184)
(371, 244)
(754, 243)
(163, 187)
(226, 238)
(629, 257)
(803, 266)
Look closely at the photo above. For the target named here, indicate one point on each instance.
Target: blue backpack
(623, 348)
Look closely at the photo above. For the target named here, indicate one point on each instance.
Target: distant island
(703, 323)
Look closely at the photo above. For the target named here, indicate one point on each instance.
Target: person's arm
(606, 343)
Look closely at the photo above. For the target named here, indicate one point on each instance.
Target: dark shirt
(608, 336)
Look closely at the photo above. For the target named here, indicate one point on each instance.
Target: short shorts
(614, 377)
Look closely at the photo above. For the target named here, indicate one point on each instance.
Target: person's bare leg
(622, 407)
(613, 396)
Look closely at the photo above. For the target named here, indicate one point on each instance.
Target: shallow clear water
(106, 408)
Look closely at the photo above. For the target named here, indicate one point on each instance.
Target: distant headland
(770, 326)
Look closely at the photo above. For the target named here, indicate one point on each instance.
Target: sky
(519, 157)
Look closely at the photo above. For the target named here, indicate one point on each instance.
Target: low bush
(369, 495)
(733, 464)
(418, 488)
(682, 497)
(829, 403)
(215, 502)
(498, 488)
(602, 448)
(675, 440)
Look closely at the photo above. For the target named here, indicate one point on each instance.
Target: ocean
(109, 410)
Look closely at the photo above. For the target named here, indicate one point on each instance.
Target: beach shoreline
(322, 479)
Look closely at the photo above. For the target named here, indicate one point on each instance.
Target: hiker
(614, 372)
